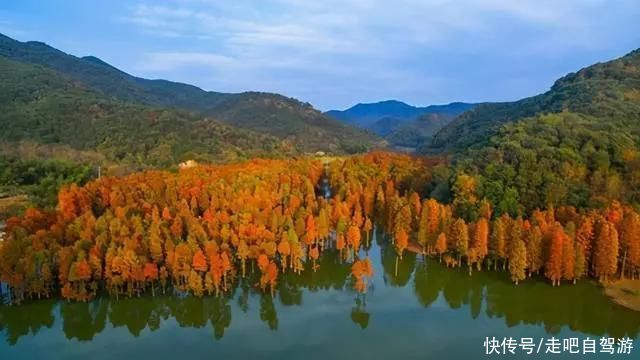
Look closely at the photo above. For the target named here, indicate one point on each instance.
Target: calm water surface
(425, 312)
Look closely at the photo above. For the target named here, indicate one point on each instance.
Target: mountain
(43, 107)
(386, 117)
(367, 115)
(576, 144)
(400, 124)
(273, 114)
(415, 133)
(603, 90)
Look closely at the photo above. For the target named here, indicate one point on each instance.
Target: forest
(203, 229)
(576, 144)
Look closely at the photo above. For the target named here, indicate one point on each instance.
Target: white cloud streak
(362, 45)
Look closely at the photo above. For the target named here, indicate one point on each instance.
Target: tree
(368, 226)
(584, 233)
(155, 243)
(199, 262)
(606, 256)
(629, 236)
(634, 254)
(361, 270)
(465, 199)
(553, 266)
(433, 218)
(423, 228)
(323, 224)
(353, 238)
(580, 262)
(242, 253)
(460, 238)
(314, 254)
(568, 259)
(584, 236)
(535, 260)
(403, 220)
(284, 249)
(484, 209)
(518, 261)
(441, 245)
(151, 275)
(195, 284)
(401, 243)
(497, 242)
(311, 233)
(481, 238)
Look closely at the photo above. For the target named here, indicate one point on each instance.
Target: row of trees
(204, 228)
(197, 231)
(561, 244)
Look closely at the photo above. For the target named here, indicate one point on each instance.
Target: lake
(425, 312)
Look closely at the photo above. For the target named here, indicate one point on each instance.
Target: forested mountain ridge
(273, 114)
(577, 144)
(399, 123)
(42, 106)
(366, 115)
(97, 74)
(307, 128)
(415, 133)
(603, 90)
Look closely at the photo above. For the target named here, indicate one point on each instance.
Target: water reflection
(582, 308)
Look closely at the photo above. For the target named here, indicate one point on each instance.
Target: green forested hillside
(42, 106)
(400, 124)
(606, 91)
(417, 132)
(293, 120)
(98, 75)
(577, 144)
(272, 114)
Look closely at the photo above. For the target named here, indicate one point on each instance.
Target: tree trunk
(396, 273)
(244, 267)
(624, 262)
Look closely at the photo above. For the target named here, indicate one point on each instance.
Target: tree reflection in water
(581, 307)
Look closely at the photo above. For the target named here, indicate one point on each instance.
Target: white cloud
(162, 61)
(364, 45)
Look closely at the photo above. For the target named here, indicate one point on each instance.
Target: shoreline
(624, 292)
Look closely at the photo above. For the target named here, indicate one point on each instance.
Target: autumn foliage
(206, 228)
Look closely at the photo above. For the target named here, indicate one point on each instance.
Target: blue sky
(335, 53)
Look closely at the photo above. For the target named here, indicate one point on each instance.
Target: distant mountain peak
(383, 102)
(387, 116)
(389, 106)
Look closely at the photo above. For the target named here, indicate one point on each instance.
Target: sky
(336, 53)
